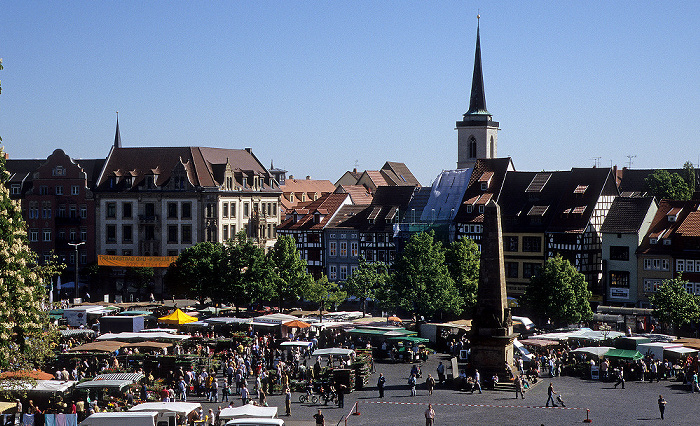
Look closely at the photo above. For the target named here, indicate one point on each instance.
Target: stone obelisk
(492, 327)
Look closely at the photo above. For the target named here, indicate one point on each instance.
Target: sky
(320, 87)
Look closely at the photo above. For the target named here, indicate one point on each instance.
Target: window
(73, 235)
(127, 233)
(111, 233)
(71, 260)
(111, 211)
(187, 233)
(224, 210)
(472, 147)
(83, 211)
(274, 209)
(510, 243)
(46, 209)
(186, 210)
(59, 189)
(74, 190)
(343, 272)
(484, 186)
(481, 208)
(59, 171)
(620, 279)
(43, 190)
(353, 249)
(172, 234)
(73, 211)
(149, 232)
(172, 210)
(650, 286)
(33, 235)
(224, 231)
(333, 249)
(531, 270)
(233, 210)
(689, 265)
(511, 269)
(61, 234)
(61, 211)
(15, 189)
(149, 210)
(83, 234)
(83, 257)
(343, 249)
(680, 265)
(246, 210)
(332, 272)
(127, 210)
(619, 253)
(532, 244)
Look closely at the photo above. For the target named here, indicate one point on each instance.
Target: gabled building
(391, 174)
(58, 205)
(622, 232)
(295, 191)
(307, 226)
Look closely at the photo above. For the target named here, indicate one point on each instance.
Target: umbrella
(395, 319)
(297, 324)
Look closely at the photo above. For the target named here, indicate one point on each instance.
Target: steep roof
(477, 100)
(388, 206)
(662, 228)
(324, 207)
(358, 193)
(489, 172)
(626, 215)
(399, 174)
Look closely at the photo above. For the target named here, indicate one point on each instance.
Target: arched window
(492, 148)
(472, 147)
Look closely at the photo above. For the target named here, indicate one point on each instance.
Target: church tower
(477, 133)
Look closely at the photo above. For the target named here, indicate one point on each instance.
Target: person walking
(288, 401)
(320, 421)
(412, 384)
(441, 373)
(429, 416)
(430, 384)
(662, 406)
(341, 395)
(244, 394)
(550, 393)
(519, 386)
(477, 381)
(620, 378)
(381, 381)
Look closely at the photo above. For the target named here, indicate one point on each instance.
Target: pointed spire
(117, 135)
(477, 101)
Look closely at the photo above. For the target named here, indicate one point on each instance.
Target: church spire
(477, 101)
(117, 135)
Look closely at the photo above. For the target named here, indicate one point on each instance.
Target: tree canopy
(672, 186)
(462, 258)
(197, 272)
(367, 280)
(559, 293)
(673, 304)
(291, 280)
(421, 282)
(247, 274)
(325, 293)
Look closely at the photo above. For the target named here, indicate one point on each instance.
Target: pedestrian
(288, 401)
(381, 381)
(477, 381)
(244, 394)
(225, 392)
(430, 384)
(319, 418)
(263, 398)
(412, 384)
(620, 378)
(519, 387)
(429, 416)
(441, 373)
(550, 393)
(341, 395)
(662, 406)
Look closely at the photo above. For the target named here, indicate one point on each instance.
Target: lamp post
(77, 262)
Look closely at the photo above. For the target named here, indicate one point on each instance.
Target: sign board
(136, 261)
(619, 293)
(595, 372)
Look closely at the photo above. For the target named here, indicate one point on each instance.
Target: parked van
(255, 421)
(141, 418)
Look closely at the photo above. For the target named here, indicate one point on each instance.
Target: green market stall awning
(412, 339)
(624, 354)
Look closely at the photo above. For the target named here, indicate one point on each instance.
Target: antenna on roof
(629, 162)
(596, 161)
(357, 163)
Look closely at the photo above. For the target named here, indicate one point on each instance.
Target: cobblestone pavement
(608, 406)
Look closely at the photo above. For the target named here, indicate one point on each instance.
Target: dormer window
(481, 208)
(469, 208)
(653, 240)
(672, 217)
(484, 186)
(667, 241)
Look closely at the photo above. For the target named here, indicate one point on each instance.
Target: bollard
(587, 420)
(357, 409)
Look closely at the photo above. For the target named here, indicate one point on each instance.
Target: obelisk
(492, 327)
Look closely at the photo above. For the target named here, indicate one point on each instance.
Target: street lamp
(75, 245)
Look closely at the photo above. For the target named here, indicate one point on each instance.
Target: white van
(255, 421)
(142, 418)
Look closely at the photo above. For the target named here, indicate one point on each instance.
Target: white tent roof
(274, 318)
(298, 343)
(183, 408)
(248, 410)
(42, 386)
(681, 350)
(228, 320)
(334, 352)
(129, 337)
(598, 351)
(107, 419)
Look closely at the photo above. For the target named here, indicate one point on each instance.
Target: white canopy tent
(131, 337)
(183, 408)
(334, 352)
(598, 351)
(248, 410)
(296, 343)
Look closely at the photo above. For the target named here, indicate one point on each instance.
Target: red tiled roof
(691, 225)
(486, 176)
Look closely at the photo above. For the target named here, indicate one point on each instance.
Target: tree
(26, 335)
(326, 294)
(421, 282)
(291, 280)
(672, 186)
(673, 304)
(247, 273)
(366, 280)
(462, 259)
(197, 272)
(559, 293)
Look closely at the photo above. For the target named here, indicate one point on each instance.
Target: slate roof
(490, 170)
(517, 202)
(626, 215)
(388, 204)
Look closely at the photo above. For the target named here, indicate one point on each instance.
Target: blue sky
(318, 85)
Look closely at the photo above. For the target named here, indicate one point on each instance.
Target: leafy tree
(421, 282)
(139, 278)
(689, 176)
(26, 335)
(247, 273)
(326, 294)
(366, 280)
(663, 184)
(673, 304)
(197, 272)
(559, 292)
(462, 258)
(291, 280)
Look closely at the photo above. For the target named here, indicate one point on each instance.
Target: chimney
(354, 170)
(308, 177)
(291, 177)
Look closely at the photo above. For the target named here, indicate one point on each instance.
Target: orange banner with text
(136, 261)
